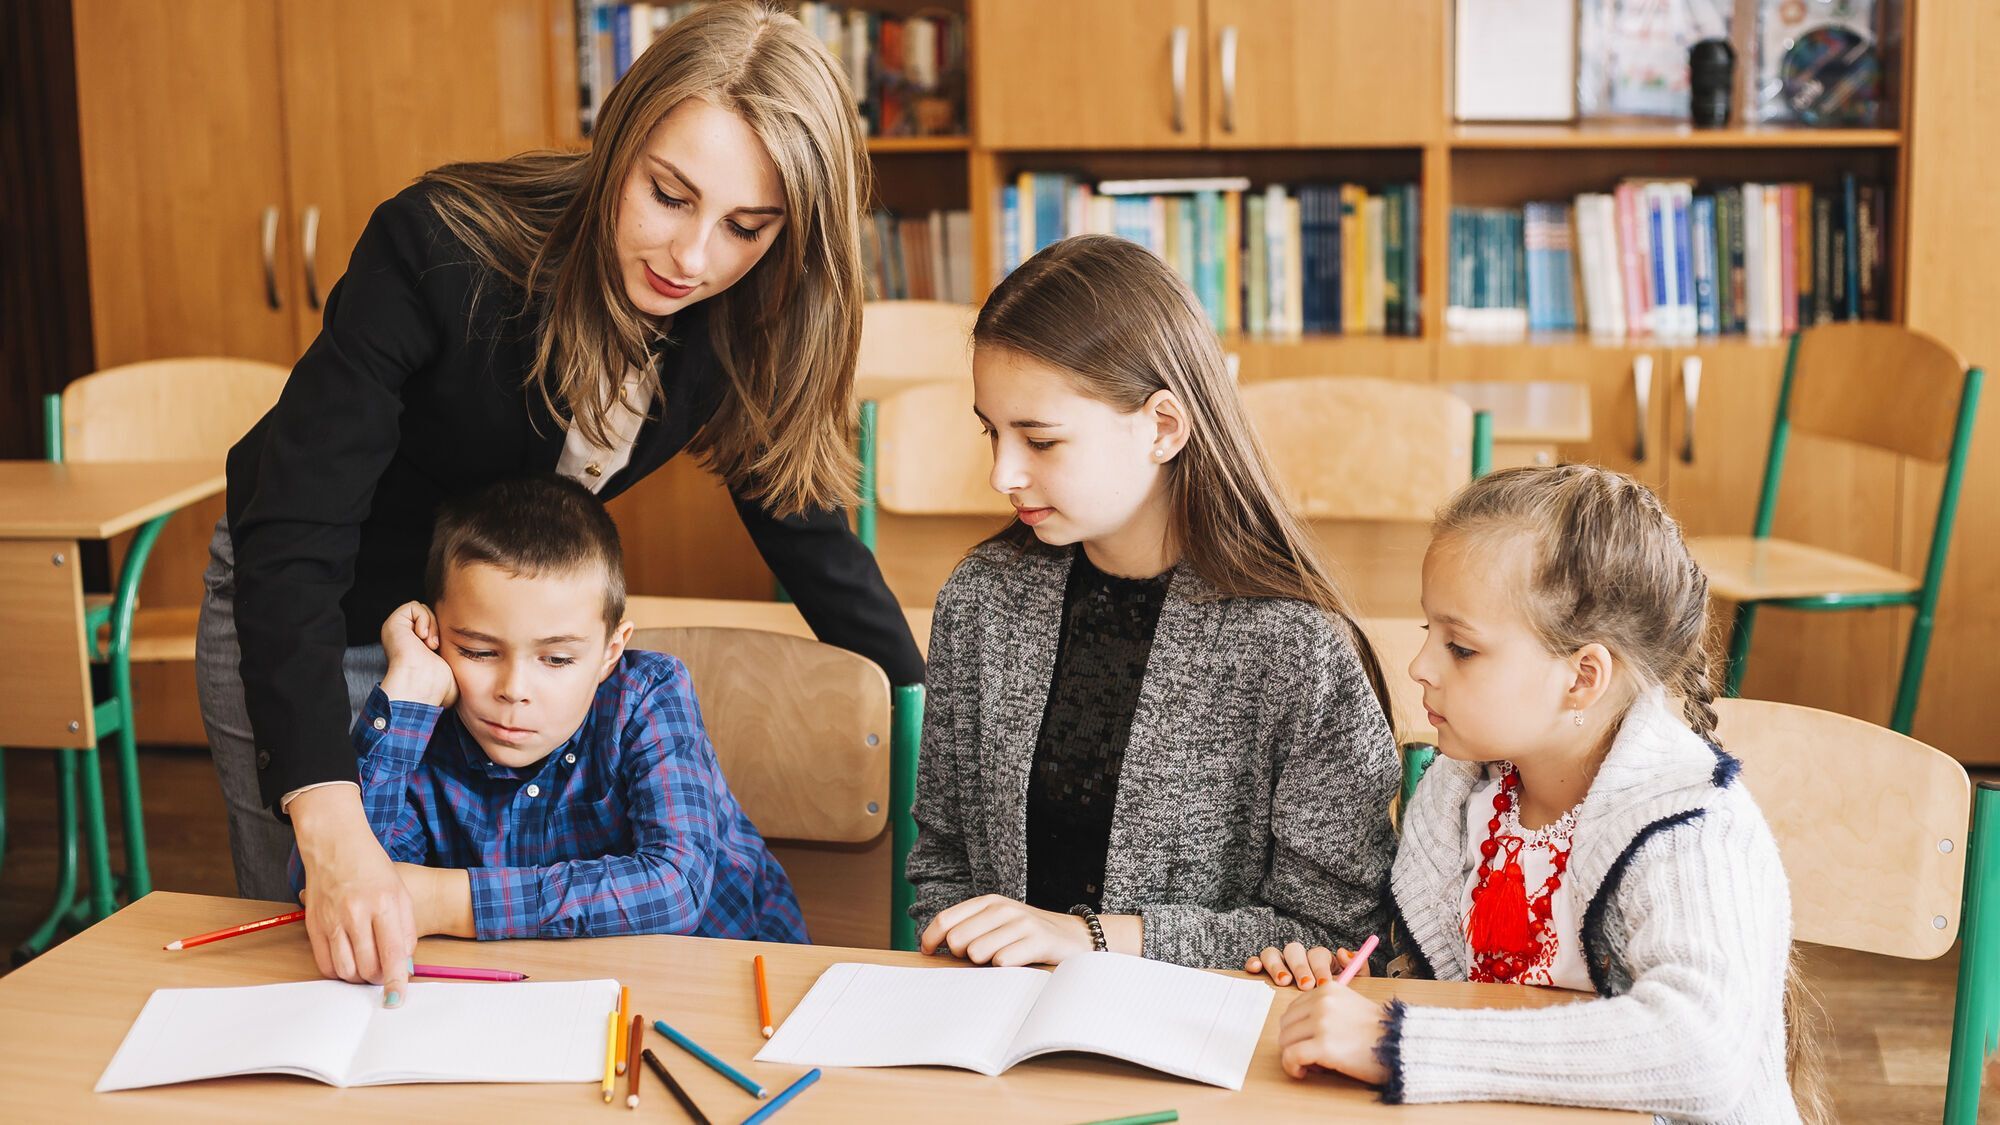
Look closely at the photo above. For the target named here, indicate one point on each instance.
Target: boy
(531, 777)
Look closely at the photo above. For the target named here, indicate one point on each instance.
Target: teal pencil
(1142, 1119)
(715, 1064)
(764, 1114)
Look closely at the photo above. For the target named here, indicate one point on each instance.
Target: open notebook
(340, 1034)
(1187, 1022)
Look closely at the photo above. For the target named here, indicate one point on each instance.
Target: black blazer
(413, 393)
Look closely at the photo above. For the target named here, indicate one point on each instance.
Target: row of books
(907, 75)
(919, 257)
(1672, 259)
(1321, 258)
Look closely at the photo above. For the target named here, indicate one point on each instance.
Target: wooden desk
(1530, 419)
(45, 510)
(63, 1015)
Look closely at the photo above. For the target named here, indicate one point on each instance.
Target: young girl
(1579, 830)
(1152, 726)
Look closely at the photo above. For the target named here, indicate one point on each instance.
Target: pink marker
(453, 972)
(1346, 975)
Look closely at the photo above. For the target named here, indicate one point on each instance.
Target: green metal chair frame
(1923, 599)
(113, 716)
(1975, 1027)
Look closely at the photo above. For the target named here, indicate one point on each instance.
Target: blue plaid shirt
(627, 828)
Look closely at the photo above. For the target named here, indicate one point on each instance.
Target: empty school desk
(63, 1015)
(1530, 419)
(46, 510)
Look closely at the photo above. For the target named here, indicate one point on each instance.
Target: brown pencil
(633, 1046)
(674, 1087)
(763, 998)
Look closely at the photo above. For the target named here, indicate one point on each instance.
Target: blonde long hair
(1610, 566)
(786, 335)
(1123, 326)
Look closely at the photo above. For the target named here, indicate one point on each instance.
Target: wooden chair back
(167, 409)
(1879, 385)
(933, 459)
(801, 728)
(1363, 448)
(1872, 825)
(905, 342)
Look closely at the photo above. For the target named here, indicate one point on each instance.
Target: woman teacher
(692, 284)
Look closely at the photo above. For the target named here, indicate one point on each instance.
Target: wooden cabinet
(1057, 74)
(1322, 73)
(379, 91)
(232, 151)
(179, 126)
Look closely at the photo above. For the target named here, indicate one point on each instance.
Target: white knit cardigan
(1687, 936)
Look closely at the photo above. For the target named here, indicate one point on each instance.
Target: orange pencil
(624, 1010)
(632, 1045)
(233, 931)
(763, 998)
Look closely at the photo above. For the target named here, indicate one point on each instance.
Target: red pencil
(233, 931)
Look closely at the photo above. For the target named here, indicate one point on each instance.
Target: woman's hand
(358, 912)
(1335, 1028)
(997, 930)
(1309, 967)
(417, 674)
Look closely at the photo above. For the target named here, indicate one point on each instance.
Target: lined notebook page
(875, 1015)
(550, 1031)
(1196, 1024)
(340, 1034)
(311, 1028)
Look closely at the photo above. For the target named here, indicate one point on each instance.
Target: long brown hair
(1610, 566)
(786, 335)
(1122, 326)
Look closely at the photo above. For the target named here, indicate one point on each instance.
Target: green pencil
(1141, 1119)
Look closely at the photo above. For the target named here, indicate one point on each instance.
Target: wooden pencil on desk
(235, 931)
(633, 1043)
(763, 998)
(610, 1052)
(674, 1087)
(624, 1010)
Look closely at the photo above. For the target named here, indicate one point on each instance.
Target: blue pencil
(790, 1092)
(720, 1067)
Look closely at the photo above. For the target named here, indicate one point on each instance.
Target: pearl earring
(1159, 453)
(1576, 717)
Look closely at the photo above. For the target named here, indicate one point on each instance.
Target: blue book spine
(1850, 221)
(1334, 310)
(1683, 267)
(1208, 254)
(1707, 310)
(1051, 204)
(621, 40)
(1413, 292)
(1310, 265)
(1010, 227)
(1661, 309)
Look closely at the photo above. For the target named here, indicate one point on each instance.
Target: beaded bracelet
(1089, 916)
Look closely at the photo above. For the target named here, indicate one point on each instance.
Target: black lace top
(1107, 635)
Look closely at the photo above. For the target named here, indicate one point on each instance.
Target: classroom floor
(1885, 1053)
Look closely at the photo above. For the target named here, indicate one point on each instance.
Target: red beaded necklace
(1508, 931)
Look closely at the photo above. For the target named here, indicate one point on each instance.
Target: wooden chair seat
(1741, 568)
(159, 636)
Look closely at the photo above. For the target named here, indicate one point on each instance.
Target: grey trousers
(259, 843)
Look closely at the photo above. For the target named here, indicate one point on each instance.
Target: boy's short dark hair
(527, 527)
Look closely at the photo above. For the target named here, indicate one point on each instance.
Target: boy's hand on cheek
(417, 674)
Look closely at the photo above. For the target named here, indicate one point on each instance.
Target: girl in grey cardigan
(1577, 831)
(1152, 726)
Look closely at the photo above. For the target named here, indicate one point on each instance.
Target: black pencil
(680, 1095)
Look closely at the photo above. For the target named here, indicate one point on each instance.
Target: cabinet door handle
(1642, 394)
(1180, 79)
(1690, 399)
(309, 236)
(271, 256)
(1229, 79)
